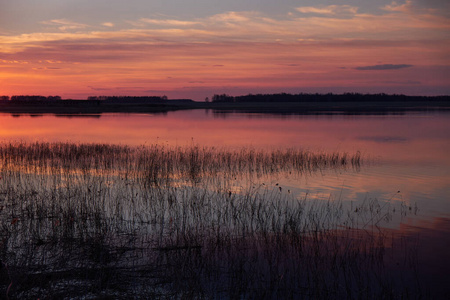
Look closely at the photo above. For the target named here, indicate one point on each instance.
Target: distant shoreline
(335, 104)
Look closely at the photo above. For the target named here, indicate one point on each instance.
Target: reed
(91, 220)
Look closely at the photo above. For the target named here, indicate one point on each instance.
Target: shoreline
(342, 107)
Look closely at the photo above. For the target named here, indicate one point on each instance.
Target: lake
(406, 160)
(409, 152)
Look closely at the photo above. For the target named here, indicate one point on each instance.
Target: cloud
(383, 139)
(47, 68)
(424, 7)
(396, 7)
(108, 24)
(168, 22)
(257, 49)
(328, 10)
(65, 25)
(251, 27)
(403, 82)
(289, 65)
(383, 67)
(233, 17)
(98, 89)
(4, 61)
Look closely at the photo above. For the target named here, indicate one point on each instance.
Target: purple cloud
(383, 67)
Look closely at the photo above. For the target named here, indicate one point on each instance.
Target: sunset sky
(196, 48)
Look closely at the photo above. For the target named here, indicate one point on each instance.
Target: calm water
(409, 160)
(410, 152)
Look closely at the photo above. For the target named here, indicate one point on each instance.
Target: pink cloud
(328, 10)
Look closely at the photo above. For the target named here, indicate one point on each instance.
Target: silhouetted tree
(223, 98)
(53, 98)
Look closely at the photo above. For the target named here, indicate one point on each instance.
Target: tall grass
(158, 164)
(90, 220)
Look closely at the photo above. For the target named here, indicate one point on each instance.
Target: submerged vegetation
(92, 220)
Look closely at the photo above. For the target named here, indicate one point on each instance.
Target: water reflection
(319, 132)
(407, 177)
(411, 150)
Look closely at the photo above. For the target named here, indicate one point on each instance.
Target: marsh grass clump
(82, 220)
(159, 164)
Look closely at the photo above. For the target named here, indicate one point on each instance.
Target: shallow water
(408, 153)
(408, 161)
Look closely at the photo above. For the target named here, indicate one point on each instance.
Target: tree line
(280, 97)
(128, 99)
(330, 97)
(28, 98)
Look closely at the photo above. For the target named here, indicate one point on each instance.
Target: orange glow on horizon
(277, 66)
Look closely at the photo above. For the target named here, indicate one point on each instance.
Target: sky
(197, 48)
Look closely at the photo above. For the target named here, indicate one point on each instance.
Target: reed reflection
(98, 207)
